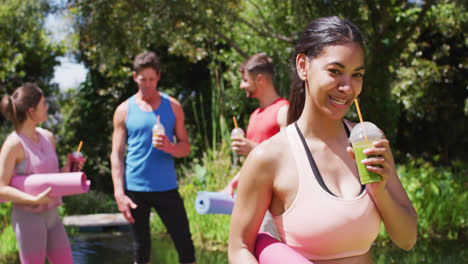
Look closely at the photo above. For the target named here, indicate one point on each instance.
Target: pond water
(115, 248)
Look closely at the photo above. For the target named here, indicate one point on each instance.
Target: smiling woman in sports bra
(306, 175)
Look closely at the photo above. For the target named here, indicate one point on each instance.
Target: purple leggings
(41, 235)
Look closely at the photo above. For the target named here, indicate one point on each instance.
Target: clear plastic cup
(362, 136)
(237, 132)
(76, 156)
(158, 130)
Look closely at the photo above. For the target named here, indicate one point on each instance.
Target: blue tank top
(148, 169)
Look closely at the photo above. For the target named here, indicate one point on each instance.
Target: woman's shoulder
(277, 142)
(266, 163)
(271, 151)
(12, 143)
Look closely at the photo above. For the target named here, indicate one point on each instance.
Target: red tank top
(263, 122)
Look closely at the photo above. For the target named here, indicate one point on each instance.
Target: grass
(8, 246)
(211, 173)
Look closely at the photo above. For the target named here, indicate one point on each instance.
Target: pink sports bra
(318, 224)
(40, 158)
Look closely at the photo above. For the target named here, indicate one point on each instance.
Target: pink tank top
(40, 158)
(320, 225)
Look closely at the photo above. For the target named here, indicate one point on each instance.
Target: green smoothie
(365, 175)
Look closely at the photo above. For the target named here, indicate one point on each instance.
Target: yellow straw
(79, 146)
(235, 122)
(358, 110)
(360, 118)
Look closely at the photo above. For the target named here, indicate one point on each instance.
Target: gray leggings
(40, 235)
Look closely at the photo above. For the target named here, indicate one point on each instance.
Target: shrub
(8, 246)
(211, 173)
(439, 195)
(93, 202)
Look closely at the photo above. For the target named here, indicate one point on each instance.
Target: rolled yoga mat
(269, 250)
(214, 203)
(62, 184)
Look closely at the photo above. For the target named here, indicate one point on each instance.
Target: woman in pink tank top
(306, 175)
(29, 149)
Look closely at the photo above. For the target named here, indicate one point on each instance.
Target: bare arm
(117, 162)
(253, 199)
(395, 208)
(181, 148)
(232, 185)
(282, 117)
(12, 152)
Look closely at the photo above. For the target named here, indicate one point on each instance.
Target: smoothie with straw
(365, 175)
(237, 132)
(158, 130)
(362, 136)
(75, 158)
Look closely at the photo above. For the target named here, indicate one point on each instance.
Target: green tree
(430, 86)
(27, 52)
(203, 42)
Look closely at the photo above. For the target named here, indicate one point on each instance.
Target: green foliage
(26, 51)
(91, 203)
(211, 173)
(439, 196)
(202, 43)
(5, 215)
(84, 114)
(425, 251)
(8, 247)
(430, 86)
(5, 130)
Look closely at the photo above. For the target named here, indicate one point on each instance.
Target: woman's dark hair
(319, 34)
(144, 60)
(15, 107)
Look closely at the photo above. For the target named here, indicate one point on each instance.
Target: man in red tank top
(267, 120)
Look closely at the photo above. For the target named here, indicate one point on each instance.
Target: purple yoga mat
(269, 250)
(63, 184)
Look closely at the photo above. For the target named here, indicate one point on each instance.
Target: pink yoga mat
(62, 184)
(269, 250)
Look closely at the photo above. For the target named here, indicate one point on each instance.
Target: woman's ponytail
(16, 106)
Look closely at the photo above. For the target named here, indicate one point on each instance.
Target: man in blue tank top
(143, 165)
